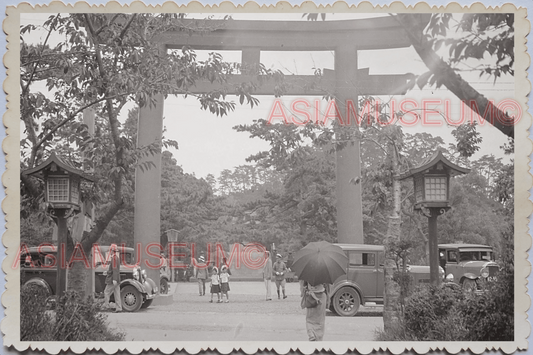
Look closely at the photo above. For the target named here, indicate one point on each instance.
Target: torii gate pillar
(147, 215)
(348, 162)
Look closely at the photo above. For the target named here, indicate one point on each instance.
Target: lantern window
(436, 188)
(58, 189)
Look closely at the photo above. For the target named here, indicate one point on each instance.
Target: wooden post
(433, 246)
(62, 230)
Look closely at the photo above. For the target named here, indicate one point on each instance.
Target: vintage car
(365, 278)
(468, 264)
(37, 266)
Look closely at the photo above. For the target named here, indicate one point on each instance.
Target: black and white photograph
(291, 178)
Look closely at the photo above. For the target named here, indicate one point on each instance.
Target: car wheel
(469, 285)
(131, 299)
(163, 286)
(147, 303)
(346, 302)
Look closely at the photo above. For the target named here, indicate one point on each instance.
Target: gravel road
(246, 317)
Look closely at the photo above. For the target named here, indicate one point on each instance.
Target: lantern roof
(58, 162)
(431, 162)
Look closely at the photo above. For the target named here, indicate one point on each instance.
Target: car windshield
(475, 255)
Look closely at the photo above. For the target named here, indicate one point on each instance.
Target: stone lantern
(62, 195)
(432, 198)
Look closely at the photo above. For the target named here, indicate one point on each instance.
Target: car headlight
(136, 273)
(485, 272)
(449, 277)
(144, 276)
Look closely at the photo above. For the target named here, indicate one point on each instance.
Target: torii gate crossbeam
(345, 38)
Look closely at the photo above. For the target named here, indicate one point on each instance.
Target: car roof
(370, 247)
(465, 246)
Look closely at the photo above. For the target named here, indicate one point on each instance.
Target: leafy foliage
(72, 320)
(34, 321)
(468, 139)
(483, 34)
(430, 314)
(449, 314)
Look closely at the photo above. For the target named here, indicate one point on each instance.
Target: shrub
(73, 319)
(78, 320)
(430, 314)
(34, 322)
(447, 313)
(490, 315)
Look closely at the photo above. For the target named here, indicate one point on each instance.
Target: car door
(452, 263)
(363, 265)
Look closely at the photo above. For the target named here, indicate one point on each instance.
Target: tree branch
(414, 26)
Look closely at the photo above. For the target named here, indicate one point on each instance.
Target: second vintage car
(468, 264)
(38, 266)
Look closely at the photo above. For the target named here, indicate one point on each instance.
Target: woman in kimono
(315, 319)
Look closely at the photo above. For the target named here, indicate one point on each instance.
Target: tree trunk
(78, 274)
(392, 289)
(391, 293)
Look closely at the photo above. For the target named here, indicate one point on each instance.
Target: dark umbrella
(320, 263)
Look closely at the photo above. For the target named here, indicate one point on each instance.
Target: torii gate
(345, 38)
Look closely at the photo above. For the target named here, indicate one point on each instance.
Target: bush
(447, 313)
(490, 316)
(430, 314)
(34, 322)
(72, 320)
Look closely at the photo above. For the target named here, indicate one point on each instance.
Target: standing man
(267, 275)
(112, 280)
(201, 276)
(279, 270)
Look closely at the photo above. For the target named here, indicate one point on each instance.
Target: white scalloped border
(11, 204)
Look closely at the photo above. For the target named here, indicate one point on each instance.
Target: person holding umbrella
(315, 320)
(318, 265)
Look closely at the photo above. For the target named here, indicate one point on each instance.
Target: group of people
(276, 271)
(219, 280)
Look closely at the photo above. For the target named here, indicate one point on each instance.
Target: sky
(208, 144)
